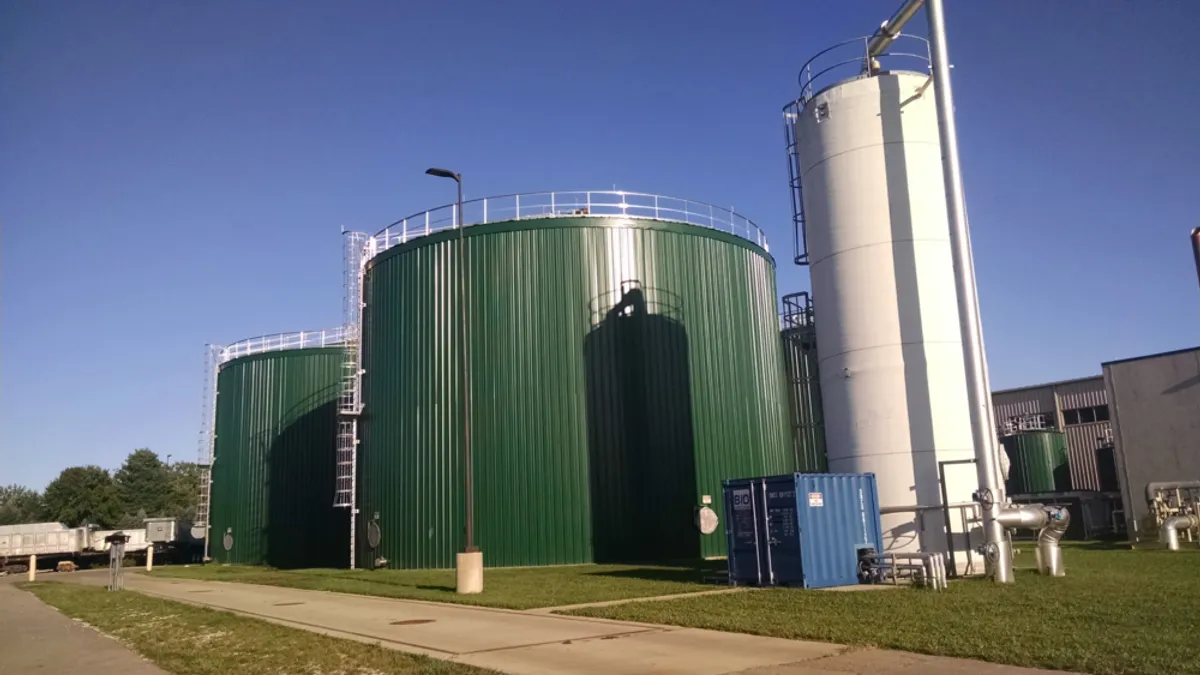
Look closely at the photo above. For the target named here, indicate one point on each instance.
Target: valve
(984, 497)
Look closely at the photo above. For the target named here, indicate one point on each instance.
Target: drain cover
(412, 622)
(288, 604)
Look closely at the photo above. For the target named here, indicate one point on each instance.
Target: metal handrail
(566, 204)
(305, 339)
(812, 83)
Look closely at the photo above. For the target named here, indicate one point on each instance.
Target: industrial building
(1078, 409)
(1156, 428)
(1135, 425)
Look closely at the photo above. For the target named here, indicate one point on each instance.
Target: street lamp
(469, 563)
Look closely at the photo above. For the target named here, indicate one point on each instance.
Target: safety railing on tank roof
(845, 60)
(852, 58)
(570, 204)
(305, 339)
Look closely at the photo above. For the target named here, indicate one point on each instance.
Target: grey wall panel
(1155, 404)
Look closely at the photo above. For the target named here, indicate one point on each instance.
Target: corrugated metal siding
(1033, 401)
(594, 436)
(273, 469)
(833, 533)
(1082, 443)
(1082, 393)
(804, 389)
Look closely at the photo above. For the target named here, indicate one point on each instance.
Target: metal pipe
(997, 552)
(1050, 523)
(1153, 488)
(1196, 249)
(889, 30)
(931, 565)
(883, 510)
(1169, 532)
(1049, 553)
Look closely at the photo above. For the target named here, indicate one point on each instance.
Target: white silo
(874, 229)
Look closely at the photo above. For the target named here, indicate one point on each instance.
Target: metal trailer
(623, 356)
(45, 540)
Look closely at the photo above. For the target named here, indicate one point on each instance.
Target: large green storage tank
(799, 335)
(1038, 463)
(274, 461)
(623, 362)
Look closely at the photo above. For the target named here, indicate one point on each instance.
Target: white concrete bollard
(150, 558)
(469, 572)
(32, 567)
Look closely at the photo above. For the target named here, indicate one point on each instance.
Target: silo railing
(852, 58)
(569, 204)
(843, 61)
(305, 339)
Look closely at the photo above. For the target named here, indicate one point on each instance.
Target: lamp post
(469, 563)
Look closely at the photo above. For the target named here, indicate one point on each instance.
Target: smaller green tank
(1038, 463)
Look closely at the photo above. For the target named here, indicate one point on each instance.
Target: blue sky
(177, 173)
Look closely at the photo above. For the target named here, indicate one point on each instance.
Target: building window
(1087, 415)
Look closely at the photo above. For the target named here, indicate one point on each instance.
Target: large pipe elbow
(1049, 553)
(1152, 489)
(1169, 532)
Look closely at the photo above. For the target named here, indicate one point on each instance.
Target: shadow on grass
(708, 571)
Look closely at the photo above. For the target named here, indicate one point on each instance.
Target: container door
(742, 528)
(782, 531)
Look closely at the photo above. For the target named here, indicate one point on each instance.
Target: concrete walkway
(36, 638)
(538, 644)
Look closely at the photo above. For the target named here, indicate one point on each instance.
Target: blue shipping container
(801, 529)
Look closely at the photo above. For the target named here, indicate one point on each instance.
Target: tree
(19, 504)
(144, 484)
(83, 495)
(185, 490)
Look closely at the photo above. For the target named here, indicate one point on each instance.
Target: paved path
(36, 638)
(536, 644)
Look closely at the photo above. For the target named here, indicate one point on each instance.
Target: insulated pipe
(1049, 553)
(890, 29)
(1152, 489)
(997, 551)
(1050, 523)
(1169, 532)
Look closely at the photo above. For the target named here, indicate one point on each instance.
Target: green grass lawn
(1117, 611)
(189, 640)
(512, 588)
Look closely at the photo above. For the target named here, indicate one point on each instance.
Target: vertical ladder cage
(350, 399)
(791, 113)
(207, 440)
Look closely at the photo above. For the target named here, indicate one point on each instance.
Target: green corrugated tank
(1038, 463)
(799, 337)
(620, 369)
(274, 461)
